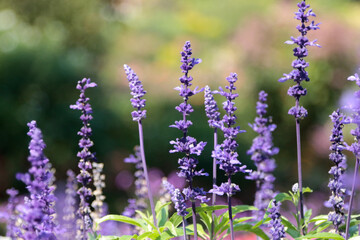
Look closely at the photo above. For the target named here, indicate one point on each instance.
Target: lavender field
(258, 136)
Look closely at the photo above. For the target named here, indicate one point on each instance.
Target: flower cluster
(211, 109)
(140, 185)
(86, 158)
(186, 144)
(336, 186)
(70, 206)
(99, 183)
(177, 198)
(225, 153)
(277, 230)
(299, 73)
(262, 152)
(38, 211)
(12, 229)
(137, 92)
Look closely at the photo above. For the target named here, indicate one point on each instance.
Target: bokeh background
(46, 46)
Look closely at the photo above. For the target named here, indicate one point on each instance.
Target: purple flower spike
(70, 206)
(211, 109)
(262, 152)
(299, 73)
(338, 191)
(177, 198)
(86, 158)
(277, 230)
(12, 230)
(225, 153)
(140, 184)
(186, 144)
(355, 146)
(38, 211)
(137, 91)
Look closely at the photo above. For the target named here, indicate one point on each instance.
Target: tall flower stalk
(354, 148)
(338, 192)
(225, 153)
(212, 112)
(299, 74)
(262, 151)
(38, 213)
(186, 144)
(86, 159)
(137, 101)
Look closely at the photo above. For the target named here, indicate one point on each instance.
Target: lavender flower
(355, 147)
(211, 109)
(12, 229)
(276, 228)
(299, 73)
(336, 186)
(69, 207)
(212, 112)
(38, 212)
(225, 153)
(178, 199)
(186, 144)
(140, 185)
(138, 103)
(262, 152)
(137, 91)
(86, 158)
(99, 183)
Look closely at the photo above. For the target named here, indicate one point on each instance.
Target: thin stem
(230, 211)
(351, 199)
(298, 144)
(142, 151)
(214, 183)
(194, 219)
(184, 228)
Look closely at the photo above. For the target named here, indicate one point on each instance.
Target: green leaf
(307, 190)
(118, 218)
(249, 228)
(162, 214)
(160, 206)
(242, 208)
(209, 208)
(146, 219)
(323, 235)
(170, 226)
(280, 197)
(125, 237)
(206, 220)
(320, 218)
(291, 229)
(223, 225)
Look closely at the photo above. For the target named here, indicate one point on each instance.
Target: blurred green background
(47, 45)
